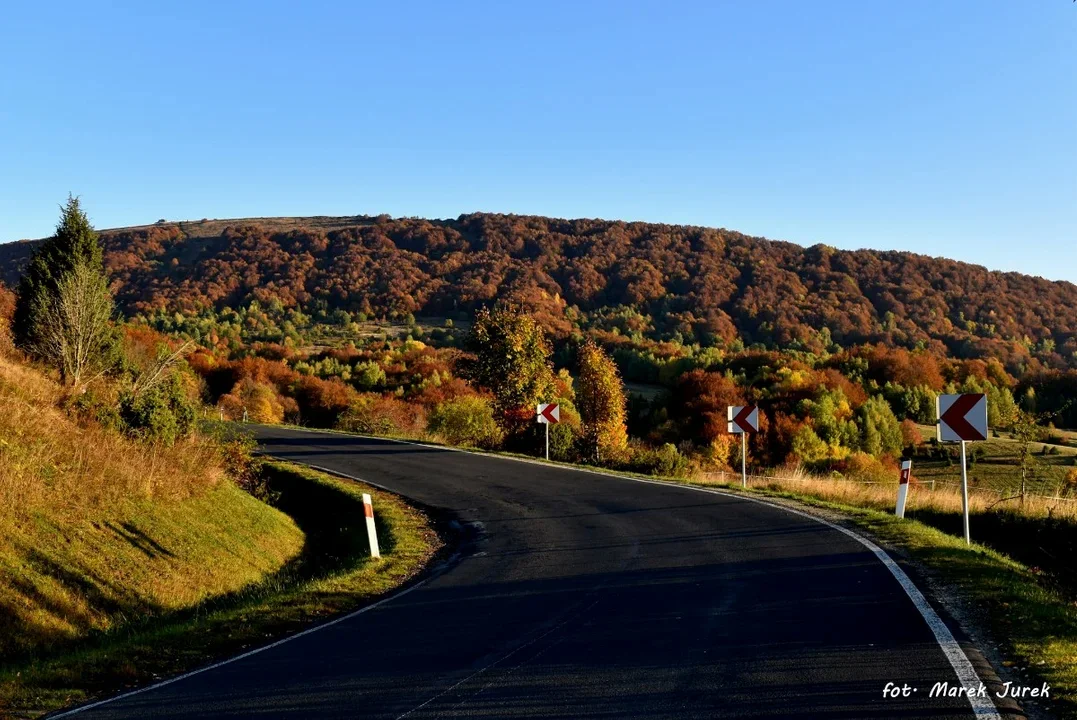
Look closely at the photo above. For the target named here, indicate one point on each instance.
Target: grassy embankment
(121, 563)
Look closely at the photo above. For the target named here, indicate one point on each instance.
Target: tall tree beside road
(63, 307)
(74, 329)
(75, 242)
(600, 398)
(512, 361)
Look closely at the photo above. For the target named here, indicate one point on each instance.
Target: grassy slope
(61, 580)
(100, 533)
(333, 573)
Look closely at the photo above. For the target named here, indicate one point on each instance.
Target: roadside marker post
(548, 414)
(743, 419)
(903, 487)
(963, 419)
(371, 530)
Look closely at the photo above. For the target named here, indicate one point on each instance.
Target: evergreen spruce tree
(75, 243)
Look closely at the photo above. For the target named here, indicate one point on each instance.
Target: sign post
(963, 419)
(548, 414)
(743, 419)
(903, 487)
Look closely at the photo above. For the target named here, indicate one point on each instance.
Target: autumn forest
(372, 324)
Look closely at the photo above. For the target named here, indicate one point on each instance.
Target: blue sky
(946, 128)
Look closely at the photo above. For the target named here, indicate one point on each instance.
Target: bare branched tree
(160, 370)
(75, 326)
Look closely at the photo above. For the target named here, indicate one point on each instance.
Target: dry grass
(944, 499)
(47, 460)
(99, 531)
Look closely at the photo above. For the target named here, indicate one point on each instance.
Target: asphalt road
(589, 596)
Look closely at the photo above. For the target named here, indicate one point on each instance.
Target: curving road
(589, 596)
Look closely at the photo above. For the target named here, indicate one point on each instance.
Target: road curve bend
(589, 596)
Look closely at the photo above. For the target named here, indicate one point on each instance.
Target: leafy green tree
(831, 418)
(368, 375)
(807, 446)
(1027, 429)
(600, 398)
(880, 429)
(75, 243)
(512, 361)
(916, 403)
(1001, 407)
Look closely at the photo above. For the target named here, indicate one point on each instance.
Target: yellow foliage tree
(600, 398)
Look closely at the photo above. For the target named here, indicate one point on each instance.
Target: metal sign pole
(965, 492)
(547, 442)
(744, 460)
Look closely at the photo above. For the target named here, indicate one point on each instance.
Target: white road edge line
(982, 707)
(249, 653)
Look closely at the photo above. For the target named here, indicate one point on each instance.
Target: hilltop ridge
(667, 282)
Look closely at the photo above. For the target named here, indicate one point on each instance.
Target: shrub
(368, 375)
(383, 415)
(564, 439)
(467, 421)
(910, 434)
(246, 470)
(666, 461)
(867, 468)
(98, 404)
(163, 414)
(1069, 486)
(322, 402)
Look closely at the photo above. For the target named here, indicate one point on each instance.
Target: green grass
(997, 466)
(331, 573)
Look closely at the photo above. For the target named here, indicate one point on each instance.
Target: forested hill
(684, 283)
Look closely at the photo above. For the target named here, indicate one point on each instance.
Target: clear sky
(942, 127)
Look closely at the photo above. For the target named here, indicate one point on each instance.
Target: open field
(995, 465)
(428, 329)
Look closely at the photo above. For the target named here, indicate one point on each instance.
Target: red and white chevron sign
(962, 417)
(549, 414)
(743, 419)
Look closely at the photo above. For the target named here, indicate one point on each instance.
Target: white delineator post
(903, 487)
(371, 531)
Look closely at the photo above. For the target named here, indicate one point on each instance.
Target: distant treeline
(663, 283)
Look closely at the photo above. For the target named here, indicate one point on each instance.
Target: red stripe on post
(368, 510)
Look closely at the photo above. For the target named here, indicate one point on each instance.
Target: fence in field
(735, 479)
